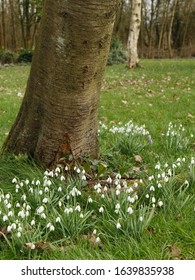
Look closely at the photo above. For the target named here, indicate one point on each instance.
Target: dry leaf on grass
(44, 246)
(138, 158)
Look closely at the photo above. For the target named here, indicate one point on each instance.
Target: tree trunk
(134, 31)
(4, 42)
(59, 112)
(169, 39)
(13, 37)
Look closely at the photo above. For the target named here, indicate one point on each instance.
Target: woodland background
(167, 28)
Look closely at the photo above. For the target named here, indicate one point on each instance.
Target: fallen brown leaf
(138, 158)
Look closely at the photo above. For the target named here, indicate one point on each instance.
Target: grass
(137, 201)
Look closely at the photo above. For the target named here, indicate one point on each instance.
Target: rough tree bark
(59, 111)
(135, 23)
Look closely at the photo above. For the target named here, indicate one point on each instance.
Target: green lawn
(137, 201)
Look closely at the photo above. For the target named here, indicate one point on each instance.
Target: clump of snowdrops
(61, 205)
(66, 203)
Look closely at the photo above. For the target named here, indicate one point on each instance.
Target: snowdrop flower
(40, 209)
(94, 232)
(160, 203)
(51, 174)
(103, 196)
(186, 183)
(159, 185)
(9, 228)
(97, 186)
(10, 214)
(32, 223)
(24, 197)
(117, 192)
(81, 215)
(27, 181)
(118, 176)
(14, 181)
(7, 196)
(129, 210)
(109, 180)
(97, 240)
(5, 218)
(131, 199)
(18, 234)
(17, 204)
(9, 205)
(83, 177)
(105, 189)
(166, 179)
(89, 200)
(40, 192)
(157, 166)
(48, 225)
(117, 207)
(31, 190)
(153, 205)
(174, 166)
(45, 200)
(46, 189)
(19, 228)
(75, 192)
(27, 213)
(78, 208)
(152, 189)
(150, 178)
(43, 216)
(59, 203)
(141, 218)
(5, 201)
(21, 214)
(57, 169)
(13, 226)
(153, 199)
(136, 197)
(58, 220)
(147, 195)
(52, 228)
(118, 225)
(59, 189)
(129, 190)
(78, 170)
(135, 184)
(47, 183)
(62, 178)
(101, 210)
(66, 168)
(98, 190)
(38, 183)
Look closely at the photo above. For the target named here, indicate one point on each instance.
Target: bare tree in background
(134, 30)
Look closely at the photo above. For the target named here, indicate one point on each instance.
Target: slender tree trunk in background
(3, 24)
(13, 37)
(21, 18)
(151, 29)
(119, 19)
(169, 39)
(59, 112)
(135, 24)
(27, 24)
